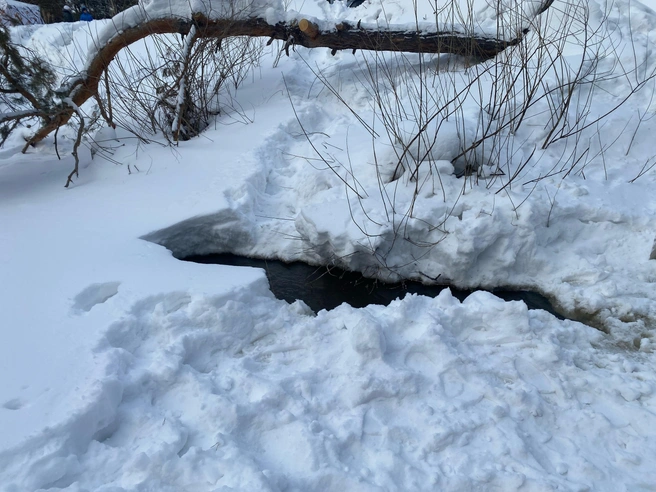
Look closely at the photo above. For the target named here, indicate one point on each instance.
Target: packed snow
(125, 369)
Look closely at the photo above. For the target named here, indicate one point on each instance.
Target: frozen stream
(328, 287)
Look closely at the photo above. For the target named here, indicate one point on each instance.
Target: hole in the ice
(323, 288)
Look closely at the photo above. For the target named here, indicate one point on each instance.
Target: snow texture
(125, 369)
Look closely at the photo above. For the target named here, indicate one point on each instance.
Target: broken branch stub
(309, 28)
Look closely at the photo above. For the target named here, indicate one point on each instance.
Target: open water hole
(326, 288)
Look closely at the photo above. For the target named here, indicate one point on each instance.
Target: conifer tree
(26, 86)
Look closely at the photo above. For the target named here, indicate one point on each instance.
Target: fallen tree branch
(303, 33)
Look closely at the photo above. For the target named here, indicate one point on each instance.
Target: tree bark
(303, 33)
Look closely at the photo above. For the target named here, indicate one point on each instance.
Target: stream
(326, 288)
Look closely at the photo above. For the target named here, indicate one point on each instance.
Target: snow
(125, 369)
(373, 14)
(13, 12)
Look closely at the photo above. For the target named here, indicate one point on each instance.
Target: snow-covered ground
(125, 369)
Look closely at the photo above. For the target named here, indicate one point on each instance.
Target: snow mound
(216, 393)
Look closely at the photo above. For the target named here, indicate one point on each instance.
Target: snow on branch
(258, 20)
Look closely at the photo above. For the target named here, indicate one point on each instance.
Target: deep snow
(124, 369)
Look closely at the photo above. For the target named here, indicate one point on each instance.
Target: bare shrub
(175, 85)
(492, 120)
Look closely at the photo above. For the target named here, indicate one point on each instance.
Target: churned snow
(125, 369)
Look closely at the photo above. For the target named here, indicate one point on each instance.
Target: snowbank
(242, 392)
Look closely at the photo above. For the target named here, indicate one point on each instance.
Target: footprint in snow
(14, 404)
(92, 295)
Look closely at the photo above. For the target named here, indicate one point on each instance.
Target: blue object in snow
(86, 16)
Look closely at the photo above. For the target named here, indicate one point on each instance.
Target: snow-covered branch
(306, 33)
(19, 115)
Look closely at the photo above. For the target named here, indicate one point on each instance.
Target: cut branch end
(308, 28)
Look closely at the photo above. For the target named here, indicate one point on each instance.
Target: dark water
(323, 288)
